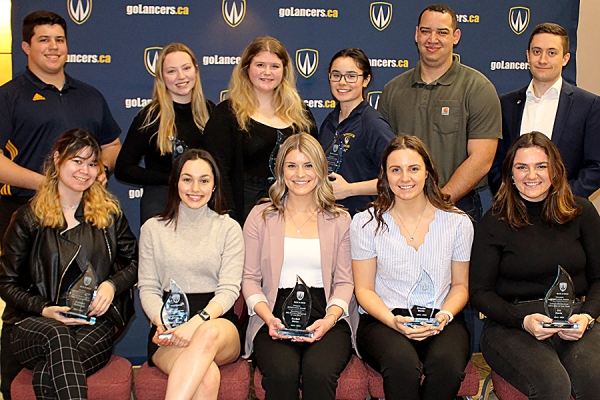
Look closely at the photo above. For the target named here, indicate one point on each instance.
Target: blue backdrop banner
(114, 46)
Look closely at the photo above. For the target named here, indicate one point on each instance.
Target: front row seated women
(534, 226)
(194, 243)
(300, 231)
(410, 231)
(71, 222)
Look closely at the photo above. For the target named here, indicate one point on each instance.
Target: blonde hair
(161, 107)
(322, 194)
(286, 101)
(99, 206)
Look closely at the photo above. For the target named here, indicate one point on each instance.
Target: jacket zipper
(64, 272)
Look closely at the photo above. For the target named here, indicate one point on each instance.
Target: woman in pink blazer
(301, 231)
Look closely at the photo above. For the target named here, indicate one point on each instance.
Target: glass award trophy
(559, 302)
(178, 147)
(334, 153)
(273, 157)
(296, 311)
(80, 295)
(421, 301)
(175, 311)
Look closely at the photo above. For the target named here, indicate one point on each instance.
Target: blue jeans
(551, 369)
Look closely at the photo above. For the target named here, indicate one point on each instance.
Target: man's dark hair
(442, 8)
(553, 29)
(41, 17)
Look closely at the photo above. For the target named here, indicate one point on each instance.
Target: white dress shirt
(540, 112)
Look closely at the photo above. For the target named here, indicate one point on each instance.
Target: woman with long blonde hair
(262, 106)
(70, 226)
(300, 232)
(173, 121)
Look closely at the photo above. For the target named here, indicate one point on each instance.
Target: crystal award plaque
(175, 311)
(273, 157)
(421, 301)
(178, 147)
(295, 311)
(80, 295)
(335, 153)
(559, 301)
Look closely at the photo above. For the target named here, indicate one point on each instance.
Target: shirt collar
(446, 79)
(41, 85)
(553, 91)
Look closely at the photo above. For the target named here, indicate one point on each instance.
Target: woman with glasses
(263, 108)
(362, 130)
(173, 121)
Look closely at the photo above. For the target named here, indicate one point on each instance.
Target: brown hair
(559, 207)
(441, 8)
(553, 29)
(432, 190)
(217, 200)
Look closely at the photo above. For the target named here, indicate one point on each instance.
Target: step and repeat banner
(114, 46)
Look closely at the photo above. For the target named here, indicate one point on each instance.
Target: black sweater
(522, 264)
(142, 143)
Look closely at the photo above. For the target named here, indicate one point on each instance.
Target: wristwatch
(204, 315)
(591, 322)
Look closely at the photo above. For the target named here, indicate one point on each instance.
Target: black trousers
(153, 202)
(312, 367)
(402, 361)
(61, 356)
(551, 369)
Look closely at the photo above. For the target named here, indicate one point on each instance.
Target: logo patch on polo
(38, 97)
(445, 110)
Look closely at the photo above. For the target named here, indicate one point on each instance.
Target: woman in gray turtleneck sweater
(200, 248)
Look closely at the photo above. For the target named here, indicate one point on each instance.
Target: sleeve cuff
(341, 304)
(253, 300)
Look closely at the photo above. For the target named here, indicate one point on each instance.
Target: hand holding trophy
(175, 311)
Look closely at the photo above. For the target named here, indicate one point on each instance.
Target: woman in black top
(71, 226)
(243, 130)
(162, 130)
(535, 226)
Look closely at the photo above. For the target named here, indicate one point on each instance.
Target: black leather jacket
(35, 258)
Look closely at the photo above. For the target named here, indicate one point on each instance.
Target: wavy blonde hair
(286, 101)
(322, 194)
(161, 108)
(99, 206)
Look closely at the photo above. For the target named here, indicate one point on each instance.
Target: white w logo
(305, 65)
(151, 58)
(518, 18)
(381, 15)
(232, 16)
(373, 98)
(77, 12)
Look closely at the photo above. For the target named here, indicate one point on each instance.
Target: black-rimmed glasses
(350, 78)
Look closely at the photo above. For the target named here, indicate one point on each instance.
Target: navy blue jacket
(576, 133)
(365, 134)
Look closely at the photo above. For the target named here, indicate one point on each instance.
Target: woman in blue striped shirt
(411, 248)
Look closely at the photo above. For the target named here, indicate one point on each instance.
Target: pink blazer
(264, 258)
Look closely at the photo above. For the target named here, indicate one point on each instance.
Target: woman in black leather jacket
(71, 224)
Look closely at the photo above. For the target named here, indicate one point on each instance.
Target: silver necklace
(69, 207)
(295, 224)
(412, 235)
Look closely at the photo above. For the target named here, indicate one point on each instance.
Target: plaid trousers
(61, 356)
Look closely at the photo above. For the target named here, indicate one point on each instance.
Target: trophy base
(295, 332)
(80, 317)
(560, 325)
(419, 322)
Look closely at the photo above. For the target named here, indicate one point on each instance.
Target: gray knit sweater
(204, 254)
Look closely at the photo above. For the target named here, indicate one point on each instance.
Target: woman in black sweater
(162, 130)
(534, 226)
